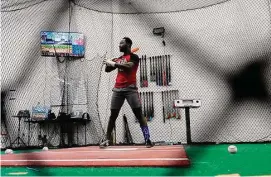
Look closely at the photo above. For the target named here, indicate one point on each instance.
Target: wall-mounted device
(192, 103)
(159, 31)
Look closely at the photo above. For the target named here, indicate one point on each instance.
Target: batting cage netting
(214, 52)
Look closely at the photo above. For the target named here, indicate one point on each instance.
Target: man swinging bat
(125, 88)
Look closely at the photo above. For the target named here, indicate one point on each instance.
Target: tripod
(18, 139)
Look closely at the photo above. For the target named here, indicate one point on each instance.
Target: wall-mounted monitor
(62, 44)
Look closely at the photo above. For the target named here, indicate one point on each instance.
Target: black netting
(219, 53)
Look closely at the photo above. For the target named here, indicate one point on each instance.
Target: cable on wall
(158, 12)
(6, 7)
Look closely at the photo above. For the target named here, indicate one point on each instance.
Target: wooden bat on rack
(150, 116)
(147, 107)
(151, 79)
(172, 104)
(156, 70)
(152, 105)
(142, 99)
(143, 71)
(168, 105)
(146, 72)
(173, 112)
(166, 69)
(141, 76)
(153, 70)
(160, 71)
(152, 109)
(169, 70)
(163, 102)
(154, 76)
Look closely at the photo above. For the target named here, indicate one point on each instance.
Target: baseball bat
(168, 105)
(147, 107)
(169, 74)
(161, 71)
(171, 105)
(153, 69)
(145, 113)
(143, 69)
(163, 99)
(174, 97)
(166, 69)
(150, 69)
(156, 70)
(141, 76)
(151, 105)
(146, 72)
(152, 108)
(161, 59)
(146, 104)
(133, 50)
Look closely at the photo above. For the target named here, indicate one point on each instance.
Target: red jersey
(127, 77)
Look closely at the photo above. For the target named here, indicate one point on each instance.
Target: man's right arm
(109, 68)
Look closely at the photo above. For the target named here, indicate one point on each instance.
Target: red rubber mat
(158, 156)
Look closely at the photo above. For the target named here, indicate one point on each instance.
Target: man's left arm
(127, 66)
